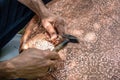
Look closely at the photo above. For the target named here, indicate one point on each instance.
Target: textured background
(97, 25)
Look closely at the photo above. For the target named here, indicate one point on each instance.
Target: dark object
(70, 38)
(67, 38)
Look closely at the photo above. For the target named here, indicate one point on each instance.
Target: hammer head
(66, 39)
(71, 38)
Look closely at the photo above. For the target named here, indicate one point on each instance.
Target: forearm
(11, 69)
(36, 6)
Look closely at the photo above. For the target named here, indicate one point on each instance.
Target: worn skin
(48, 20)
(32, 60)
(34, 32)
(53, 24)
(37, 62)
(97, 25)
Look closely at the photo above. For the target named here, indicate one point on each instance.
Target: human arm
(36, 6)
(49, 21)
(31, 63)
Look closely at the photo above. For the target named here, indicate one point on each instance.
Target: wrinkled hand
(53, 24)
(31, 63)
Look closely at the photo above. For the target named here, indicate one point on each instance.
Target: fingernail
(54, 37)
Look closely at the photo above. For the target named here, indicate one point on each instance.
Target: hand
(53, 24)
(31, 63)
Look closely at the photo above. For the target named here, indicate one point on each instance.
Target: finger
(28, 31)
(24, 40)
(50, 29)
(29, 27)
(52, 55)
(59, 26)
(47, 63)
(43, 54)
